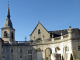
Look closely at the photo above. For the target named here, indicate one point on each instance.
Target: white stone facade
(42, 44)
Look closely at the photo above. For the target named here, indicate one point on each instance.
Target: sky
(52, 14)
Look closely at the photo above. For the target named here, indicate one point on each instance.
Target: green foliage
(75, 59)
(62, 57)
(71, 58)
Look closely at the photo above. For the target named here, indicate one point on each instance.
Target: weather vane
(8, 3)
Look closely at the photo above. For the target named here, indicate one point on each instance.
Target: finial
(52, 34)
(61, 33)
(8, 12)
(38, 21)
(25, 38)
(8, 3)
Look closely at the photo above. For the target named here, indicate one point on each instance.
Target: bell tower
(8, 32)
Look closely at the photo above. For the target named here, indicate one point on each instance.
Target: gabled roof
(36, 27)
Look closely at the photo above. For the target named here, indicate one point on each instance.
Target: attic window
(39, 31)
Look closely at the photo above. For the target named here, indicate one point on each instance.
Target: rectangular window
(3, 50)
(30, 55)
(78, 48)
(11, 50)
(20, 50)
(20, 57)
(3, 58)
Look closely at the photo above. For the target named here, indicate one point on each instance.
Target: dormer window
(5, 34)
(39, 31)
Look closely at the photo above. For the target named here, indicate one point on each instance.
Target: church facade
(42, 43)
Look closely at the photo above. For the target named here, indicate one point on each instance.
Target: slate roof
(57, 33)
(8, 22)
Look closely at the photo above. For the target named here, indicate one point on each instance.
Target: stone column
(61, 35)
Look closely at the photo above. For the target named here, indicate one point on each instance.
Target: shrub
(71, 58)
(62, 57)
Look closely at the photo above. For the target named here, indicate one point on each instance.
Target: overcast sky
(53, 15)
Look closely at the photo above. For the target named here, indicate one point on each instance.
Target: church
(42, 44)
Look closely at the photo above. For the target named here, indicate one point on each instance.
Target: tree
(62, 57)
(71, 58)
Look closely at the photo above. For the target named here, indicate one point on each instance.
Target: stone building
(42, 43)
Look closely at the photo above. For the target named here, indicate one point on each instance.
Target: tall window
(12, 36)
(3, 58)
(3, 50)
(39, 31)
(12, 57)
(5, 34)
(11, 50)
(30, 55)
(20, 57)
(78, 48)
(20, 50)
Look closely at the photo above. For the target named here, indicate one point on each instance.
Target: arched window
(39, 31)
(5, 34)
(30, 55)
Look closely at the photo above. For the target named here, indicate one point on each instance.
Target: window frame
(11, 50)
(29, 54)
(39, 32)
(21, 50)
(3, 50)
(78, 48)
(20, 57)
(3, 58)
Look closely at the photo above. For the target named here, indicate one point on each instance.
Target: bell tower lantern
(8, 32)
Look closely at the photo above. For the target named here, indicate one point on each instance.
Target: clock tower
(8, 32)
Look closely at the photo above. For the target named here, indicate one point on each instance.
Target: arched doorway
(48, 53)
(39, 54)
